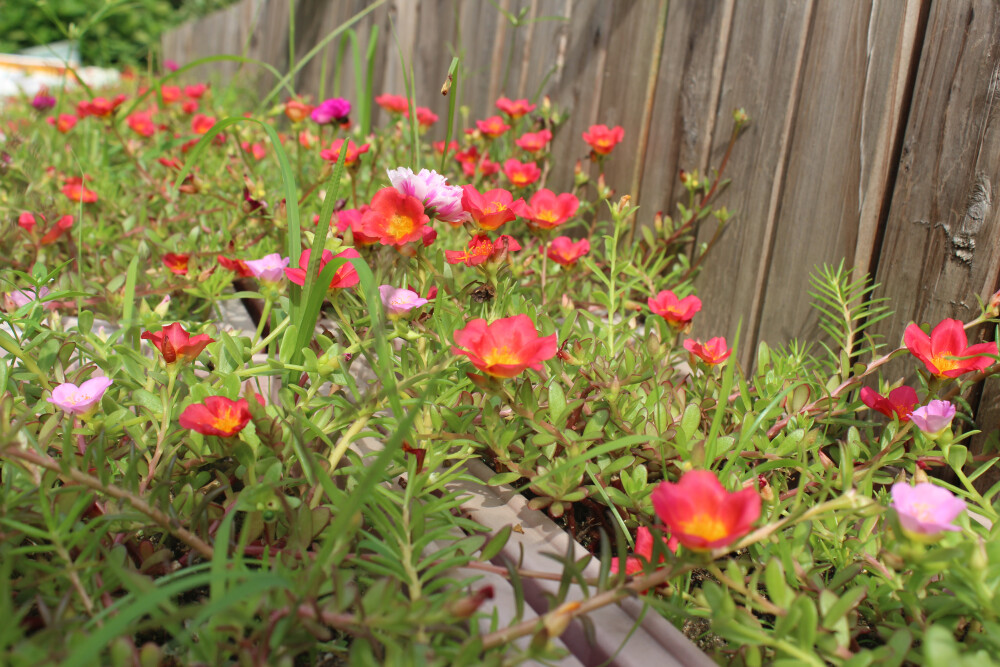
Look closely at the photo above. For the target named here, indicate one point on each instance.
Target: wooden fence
(874, 135)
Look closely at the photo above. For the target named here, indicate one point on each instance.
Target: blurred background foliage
(108, 32)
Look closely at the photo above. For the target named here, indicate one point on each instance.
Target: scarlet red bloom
(643, 552)
(425, 117)
(62, 225)
(237, 266)
(677, 312)
(142, 123)
(76, 191)
(481, 250)
(701, 514)
(395, 218)
(602, 139)
(506, 347)
(201, 123)
(195, 91)
(170, 94)
(27, 221)
(99, 106)
(393, 103)
(489, 209)
(353, 219)
(941, 350)
(899, 403)
(345, 276)
(189, 106)
(520, 173)
(534, 142)
(218, 415)
(563, 250)
(64, 123)
(174, 343)
(177, 263)
(548, 210)
(297, 111)
(515, 108)
(332, 154)
(712, 353)
(493, 126)
(439, 146)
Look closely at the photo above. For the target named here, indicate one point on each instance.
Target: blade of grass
(128, 305)
(450, 90)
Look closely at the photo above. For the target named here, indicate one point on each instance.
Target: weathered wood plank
(848, 80)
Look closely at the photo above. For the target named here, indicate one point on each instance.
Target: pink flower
(925, 509)
(563, 250)
(440, 200)
(934, 418)
(333, 110)
(943, 350)
(79, 400)
(677, 312)
(547, 210)
(701, 514)
(398, 301)
(270, 267)
(22, 297)
(712, 353)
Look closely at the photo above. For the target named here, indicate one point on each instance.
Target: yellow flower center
(400, 226)
(547, 216)
(705, 526)
(501, 356)
(943, 363)
(228, 421)
(922, 512)
(494, 207)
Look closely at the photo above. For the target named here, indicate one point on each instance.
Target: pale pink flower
(933, 418)
(925, 509)
(399, 301)
(440, 200)
(79, 400)
(270, 267)
(22, 297)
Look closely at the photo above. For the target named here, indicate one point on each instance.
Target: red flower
(602, 139)
(76, 191)
(64, 123)
(563, 250)
(701, 514)
(493, 126)
(142, 123)
(332, 154)
(712, 353)
(677, 312)
(425, 117)
(534, 142)
(393, 103)
(643, 552)
(177, 263)
(62, 225)
(547, 209)
(506, 347)
(218, 415)
(237, 266)
(515, 108)
(899, 403)
(947, 342)
(257, 150)
(520, 173)
(439, 146)
(481, 250)
(27, 221)
(345, 276)
(189, 106)
(469, 159)
(201, 123)
(297, 111)
(195, 91)
(353, 219)
(173, 342)
(395, 218)
(170, 94)
(99, 106)
(489, 209)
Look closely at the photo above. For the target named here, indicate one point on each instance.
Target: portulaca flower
(79, 400)
(440, 200)
(399, 301)
(270, 267)
(926, 509)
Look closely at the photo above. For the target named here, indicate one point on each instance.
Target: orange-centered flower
(701, 514)
(345, 276)
(677, 312)
(142, 123)
(489, 209)
(712, 353)
(76, 191)
(174, 343)
(201, 123)
(332, 154)
(481, 250)
(218, 415)
(565, 251)
(941, 352)
(515, 108)
(602, 139)
(547, 210)
(534, 142)
(395, 218)
(506, 347)
(177, 263)
(493, 126)
(520, 173)
(297, 111)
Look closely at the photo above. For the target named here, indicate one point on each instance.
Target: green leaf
(846, 603)
(777, 588)
(496, 543)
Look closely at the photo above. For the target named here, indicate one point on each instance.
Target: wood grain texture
(847, 81)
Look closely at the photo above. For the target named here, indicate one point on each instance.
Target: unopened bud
(825, 460)
(579, 178)
(979, 560)
(994, 308)
(740, 117)
(468, 605)
(557, 622)
(920, 476)
(764, 488)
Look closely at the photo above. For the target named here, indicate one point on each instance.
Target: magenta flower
(925, 509)
(440, 200)
(399, 301)
(43, 102)
(270, 268)
(79, 400)
(170, 65)
(333, 110)
(934, 418)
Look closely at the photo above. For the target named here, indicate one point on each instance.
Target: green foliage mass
(108, 31)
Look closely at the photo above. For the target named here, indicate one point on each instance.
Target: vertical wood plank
(847, 83)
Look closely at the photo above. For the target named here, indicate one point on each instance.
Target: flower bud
(557, 621)
(467, 606)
